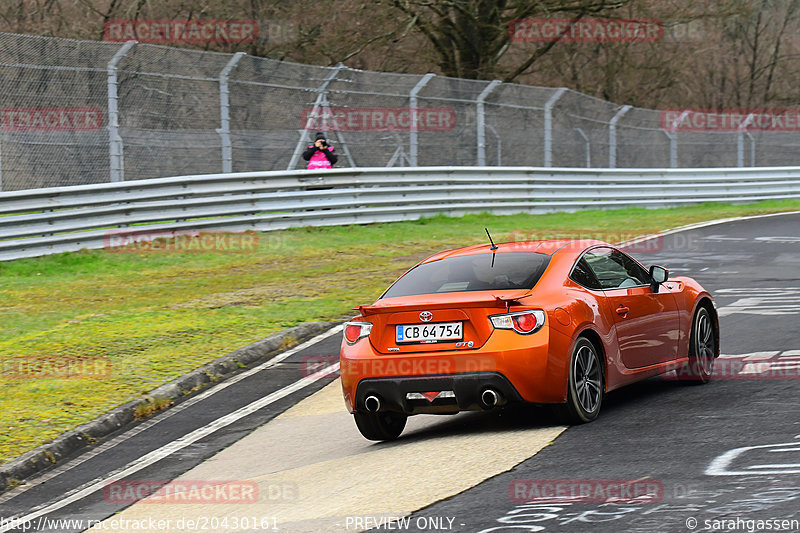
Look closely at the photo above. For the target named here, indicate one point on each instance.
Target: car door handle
(622, 311)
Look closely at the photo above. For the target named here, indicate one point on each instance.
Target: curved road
(249, 455)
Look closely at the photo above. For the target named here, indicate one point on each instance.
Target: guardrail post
(114, 140)
(612, 136)
(412, 108)
(224, 113)
(321, 101)
(740, 140)
(481, 121)
(587, 147)
(548, 126)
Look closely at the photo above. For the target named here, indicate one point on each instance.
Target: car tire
(380, 426)
(702, 348)
(585, 386)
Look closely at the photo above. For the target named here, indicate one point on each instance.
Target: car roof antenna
(494, 246)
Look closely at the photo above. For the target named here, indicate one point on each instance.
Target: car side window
(635, 270)
(614, 269)
(583, 275)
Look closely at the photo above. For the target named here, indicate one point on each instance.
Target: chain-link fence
(82, 112)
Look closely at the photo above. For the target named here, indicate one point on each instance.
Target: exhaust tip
(491, 398)
(372, 404)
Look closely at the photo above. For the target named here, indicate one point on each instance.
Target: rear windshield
(483, 272)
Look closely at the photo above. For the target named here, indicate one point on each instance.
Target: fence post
(481, 121)
(224, 113)
(752, 149)
(740, 140)
(672, 135)
(499, 144)
(321, 101)
(612, 136)
(673, 148)
(345, 148)
(114, 140)
(412, 108)
(1, 159)
(673, 151)
(548, 126)
(587, 147)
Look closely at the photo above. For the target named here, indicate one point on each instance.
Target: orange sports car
(541, 322)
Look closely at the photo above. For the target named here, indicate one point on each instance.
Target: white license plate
(426, 333)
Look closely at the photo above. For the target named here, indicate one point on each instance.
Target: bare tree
(471, 37)
(749, 58)
(744, 54)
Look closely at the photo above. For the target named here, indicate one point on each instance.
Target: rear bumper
(466, 388)
(530, 368)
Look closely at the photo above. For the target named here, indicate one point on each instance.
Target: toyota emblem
(426, 316)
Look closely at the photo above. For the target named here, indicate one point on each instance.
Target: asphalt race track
(662, 457)
(669, 434)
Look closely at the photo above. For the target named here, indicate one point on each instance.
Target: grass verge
(127, 323)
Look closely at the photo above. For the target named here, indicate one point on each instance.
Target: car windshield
(482, 272)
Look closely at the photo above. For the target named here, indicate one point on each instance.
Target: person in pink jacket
(320, 154)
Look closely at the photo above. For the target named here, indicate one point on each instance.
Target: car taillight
(523, 322)
(353, 331)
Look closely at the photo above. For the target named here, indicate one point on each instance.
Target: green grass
(151, 317)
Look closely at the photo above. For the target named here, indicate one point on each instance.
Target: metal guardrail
(45, 221)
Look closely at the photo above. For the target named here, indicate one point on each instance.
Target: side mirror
(658, 275)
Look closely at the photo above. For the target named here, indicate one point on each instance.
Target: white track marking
(721, 465)
(771, 365)
(167, 414)
(172, 447)
(766, 301)
(699, 225)
(723, 238)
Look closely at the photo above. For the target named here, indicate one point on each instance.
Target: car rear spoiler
(491, 300)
